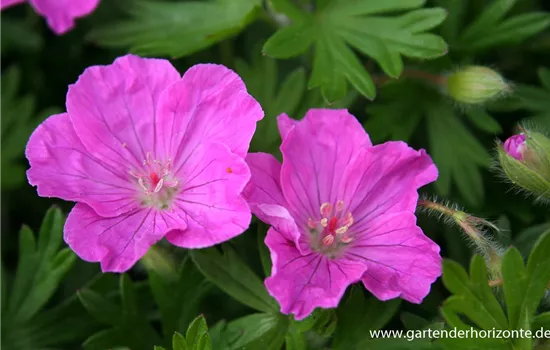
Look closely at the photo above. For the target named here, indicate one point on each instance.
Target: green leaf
(538, 272)
(195, 332)
(515, 280)
(448, 135)
(291, 41)
(357, 315)
(179, 342)
(17, 125)
(534, 99)
(295, 341)
(483, 121)
(472, 296)
(102, 340)
(101, 308)
(341, 25)
(525, 240)
(412, 321)
(541, 321)
(490, 29)
(262, 81)
(128, 297)
(258, 331)
(399, 344)
(176, 29)
(178, 295)
(41, 268)
(229, 273)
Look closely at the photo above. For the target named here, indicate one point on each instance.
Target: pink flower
(145, 154)
(60, 14)
(341, 211)
(515, 145)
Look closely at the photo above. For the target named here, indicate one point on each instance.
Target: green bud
(527, 163)
(476, 84)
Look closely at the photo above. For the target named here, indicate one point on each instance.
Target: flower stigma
(156, 183)
(330, 233)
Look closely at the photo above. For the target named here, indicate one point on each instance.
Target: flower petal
(117, 242)
(385, 179)
(61, 14)
(265, 197)
(402, 261)
(8, 3)
(285, 124)
(113, 108)
(61, 167)
(209, 103)
(264, 186)
(303, 282)
(212, 182)
(315, 154)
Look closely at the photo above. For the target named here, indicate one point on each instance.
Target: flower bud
(476, 84)
(525, 159)
(515, 145)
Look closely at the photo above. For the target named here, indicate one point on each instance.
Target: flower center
(331, 232)
(156, 182)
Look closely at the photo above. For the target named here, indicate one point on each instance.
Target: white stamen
(341, 230)
(159, 185)
(142, 184)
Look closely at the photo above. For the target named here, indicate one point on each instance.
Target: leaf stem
(413, 73)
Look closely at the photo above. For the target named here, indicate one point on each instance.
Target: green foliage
(337, 24)
(401, 108)
(534, 99)
(358, 315)
(230, 274)
(27, 322)
(196, 337)
(261, 78)
(524, 288)
(175, 29)
(178, 295)
(18, 121)
(128, 325)
(492, 28)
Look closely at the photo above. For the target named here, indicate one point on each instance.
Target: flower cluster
(60, 14)
(148, 154)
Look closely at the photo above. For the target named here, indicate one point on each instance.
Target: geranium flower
(60, 14)
(341, 211)
(145, 154)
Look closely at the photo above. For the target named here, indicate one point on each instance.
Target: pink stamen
(326, 210)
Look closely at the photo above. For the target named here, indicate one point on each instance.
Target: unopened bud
(476, 85)
(525, 159)
(515, 145)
